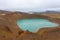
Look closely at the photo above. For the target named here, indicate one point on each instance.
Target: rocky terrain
(9, 29)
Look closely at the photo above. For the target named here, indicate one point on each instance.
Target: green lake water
(34, 24)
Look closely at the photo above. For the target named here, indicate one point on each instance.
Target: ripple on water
(34, 24)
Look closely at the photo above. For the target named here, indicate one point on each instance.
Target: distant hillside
(46, 12)
(9, 12)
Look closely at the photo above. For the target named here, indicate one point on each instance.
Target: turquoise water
(33, 25)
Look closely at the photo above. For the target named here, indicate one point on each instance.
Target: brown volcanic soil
(9, 29)
(53, 34)
(30, 36)
(54, 17)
